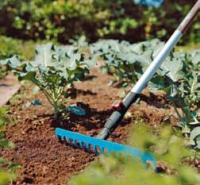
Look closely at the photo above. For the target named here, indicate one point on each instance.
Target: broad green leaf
(157, 83)
(195, 136)
(155, 45)
(25, 75)
(13, 62)
(44, 56)
(195, 58)
(173, 68)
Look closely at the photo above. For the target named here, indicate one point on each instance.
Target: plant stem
(53, 97)
(177, 112)
(48, 96)
(187, 113)
(56, 94)
(56, 109)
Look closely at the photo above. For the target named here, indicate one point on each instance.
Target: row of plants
(55, 68)
(63, 20)
(178, 76)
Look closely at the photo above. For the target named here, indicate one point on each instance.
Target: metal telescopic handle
(117, 115)
(145, 78)
(190, 16)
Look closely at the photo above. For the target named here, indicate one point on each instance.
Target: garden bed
(42, 158)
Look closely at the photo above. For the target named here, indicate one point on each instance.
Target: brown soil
(43, 159)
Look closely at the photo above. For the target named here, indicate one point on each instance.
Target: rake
(99, 144)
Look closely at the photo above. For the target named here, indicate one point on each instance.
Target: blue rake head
(100, 146)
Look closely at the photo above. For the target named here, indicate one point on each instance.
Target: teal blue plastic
(102, 146)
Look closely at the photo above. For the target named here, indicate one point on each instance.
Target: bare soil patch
(43, 159)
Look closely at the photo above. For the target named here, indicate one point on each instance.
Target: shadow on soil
(88, 78)
(93, 120)
(155, 100)
(73, 93)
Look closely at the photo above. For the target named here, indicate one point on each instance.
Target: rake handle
(190, 16)
(135, 92)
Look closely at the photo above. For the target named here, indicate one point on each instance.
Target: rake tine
(91, 144)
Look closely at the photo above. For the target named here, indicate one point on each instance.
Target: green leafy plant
(7, 168)
(170, 153)
(182, 86)
(54, 70)
(178, 76)
(125, 61)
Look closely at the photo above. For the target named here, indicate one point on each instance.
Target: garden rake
(99, 144)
